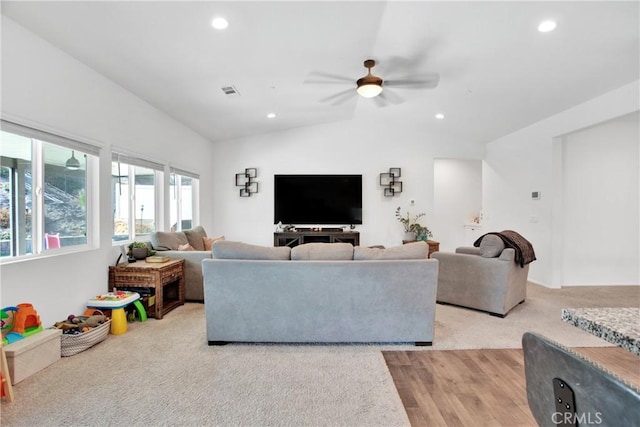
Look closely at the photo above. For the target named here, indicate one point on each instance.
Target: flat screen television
(318, 199)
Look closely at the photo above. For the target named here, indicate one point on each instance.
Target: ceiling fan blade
(340, 97)
(381, 101)
(334, 78)
(391, 97)
(429, 82)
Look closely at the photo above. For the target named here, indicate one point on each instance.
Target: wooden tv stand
(295, 238)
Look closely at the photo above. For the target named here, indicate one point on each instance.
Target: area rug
(162, 372)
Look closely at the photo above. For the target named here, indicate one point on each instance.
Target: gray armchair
(485, 278)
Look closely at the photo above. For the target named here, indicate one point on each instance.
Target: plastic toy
(24, 321)
(27, 322)
(116, 301)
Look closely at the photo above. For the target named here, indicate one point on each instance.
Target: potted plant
(422, 233)
(140, 250)
(412, 228)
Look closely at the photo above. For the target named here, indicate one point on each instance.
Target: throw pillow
(164, 241)
(186, 247)
(415, 250)
(195, 236)
(209, 241)
(322, 251)
(227, 249)
(491, 246)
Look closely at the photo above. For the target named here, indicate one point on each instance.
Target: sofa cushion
(165, 241)
(227, 249)
(415, 250)
(209, 241)
(322, 251)
(186, 247)
(196, 236)
(491, 246)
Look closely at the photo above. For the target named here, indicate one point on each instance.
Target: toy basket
(74, 344)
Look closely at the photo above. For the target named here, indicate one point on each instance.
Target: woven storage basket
(74, 344)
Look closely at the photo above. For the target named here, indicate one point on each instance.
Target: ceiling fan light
(369, 90)
(73, 163)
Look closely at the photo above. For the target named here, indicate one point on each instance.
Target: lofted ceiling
(497, 72)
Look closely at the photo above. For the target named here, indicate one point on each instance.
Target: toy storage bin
(33, 353)
(74, 344)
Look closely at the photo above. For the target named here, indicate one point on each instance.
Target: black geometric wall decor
(389, 180)
(246, 181)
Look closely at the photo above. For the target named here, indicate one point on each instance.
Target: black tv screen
(318, 199)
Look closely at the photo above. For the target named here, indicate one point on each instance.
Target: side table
(166, 278)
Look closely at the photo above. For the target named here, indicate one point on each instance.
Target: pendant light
(73, 163)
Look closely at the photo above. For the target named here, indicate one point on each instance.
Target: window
(183, 196)
(135, 188)
(44, 191)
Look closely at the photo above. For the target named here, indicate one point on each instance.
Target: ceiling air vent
(230, 91)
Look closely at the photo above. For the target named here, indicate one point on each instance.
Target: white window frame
(195, 196)
(130, 162)
(38, 137)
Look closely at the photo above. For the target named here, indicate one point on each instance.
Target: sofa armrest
(469, 250)
(194, 290)
(188, 256)
(508, 254)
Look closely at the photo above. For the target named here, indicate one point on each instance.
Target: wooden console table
(295, 238)
(166, 278)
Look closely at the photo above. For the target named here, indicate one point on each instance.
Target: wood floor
(479, 387)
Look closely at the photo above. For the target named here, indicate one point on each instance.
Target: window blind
(184, 173)
(136, 161)
(40, 135)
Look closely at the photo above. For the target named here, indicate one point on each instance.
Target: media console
(310, 235)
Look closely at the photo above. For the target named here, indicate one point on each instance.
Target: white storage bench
(32, 354)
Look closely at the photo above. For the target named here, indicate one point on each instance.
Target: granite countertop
(618, 325)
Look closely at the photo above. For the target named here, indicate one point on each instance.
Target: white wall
(600, 208)
(362, 146)
(457, 199)
(529, 160)
(45, 88)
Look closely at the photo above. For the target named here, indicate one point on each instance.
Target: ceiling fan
(371, 86)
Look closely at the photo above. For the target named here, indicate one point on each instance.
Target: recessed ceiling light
(546, 26)
(439, 116)
(271, 115)
(219, 23)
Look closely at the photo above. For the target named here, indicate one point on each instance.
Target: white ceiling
(497, 72)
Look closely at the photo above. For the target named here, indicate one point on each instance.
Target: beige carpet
(162, 372)
(462, 329)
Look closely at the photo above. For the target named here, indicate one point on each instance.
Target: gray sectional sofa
(192, 243)
(319, 292)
